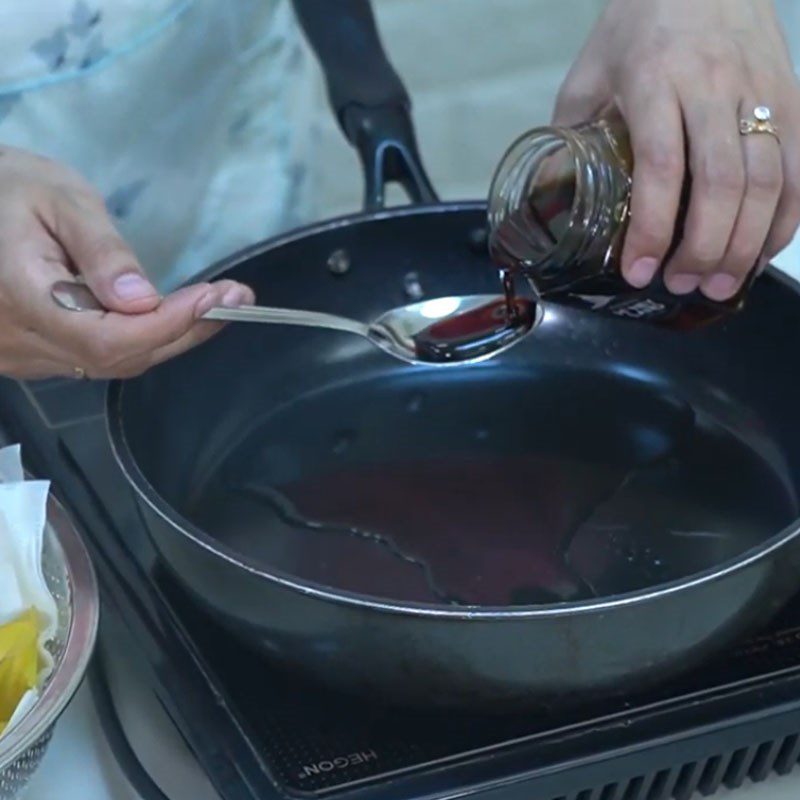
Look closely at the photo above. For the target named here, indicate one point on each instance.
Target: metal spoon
(447, 330)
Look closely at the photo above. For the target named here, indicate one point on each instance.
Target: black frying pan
(598, 508)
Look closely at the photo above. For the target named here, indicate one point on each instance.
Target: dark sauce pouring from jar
(559, 208)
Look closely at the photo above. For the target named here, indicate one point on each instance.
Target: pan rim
(199, 538)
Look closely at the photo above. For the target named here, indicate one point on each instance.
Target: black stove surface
(260, 732)
(316, 741)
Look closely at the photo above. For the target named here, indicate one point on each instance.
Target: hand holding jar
(706, 89)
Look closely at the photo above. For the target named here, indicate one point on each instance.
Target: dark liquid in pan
(438, 488)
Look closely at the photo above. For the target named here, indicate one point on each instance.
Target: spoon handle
(288, 316)
(77, 296)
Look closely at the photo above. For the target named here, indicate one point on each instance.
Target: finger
(198, 335)
(787, 216)
(93, 341)
(582, 97)
(785, 224)
(87, 234)
(35, 369)
(99, 342)
(716, 164)
(656, 130)
(233, 295)
(764, 182)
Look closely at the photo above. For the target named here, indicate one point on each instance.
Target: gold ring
(760, 123)
(79, 373)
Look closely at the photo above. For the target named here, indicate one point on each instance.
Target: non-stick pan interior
(596, 459)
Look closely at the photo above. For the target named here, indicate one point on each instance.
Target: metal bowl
(71, 580)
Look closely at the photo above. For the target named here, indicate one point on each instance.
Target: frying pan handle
(367, 96)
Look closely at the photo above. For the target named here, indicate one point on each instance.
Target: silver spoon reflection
(446, 330)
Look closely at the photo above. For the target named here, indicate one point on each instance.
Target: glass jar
(559, 207)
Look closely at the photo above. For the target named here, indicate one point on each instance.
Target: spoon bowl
(454, 330)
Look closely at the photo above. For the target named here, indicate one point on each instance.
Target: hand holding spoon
(447, 330)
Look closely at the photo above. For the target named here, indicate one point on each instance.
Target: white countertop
(79, 764)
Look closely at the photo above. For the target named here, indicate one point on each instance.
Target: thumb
(583, 95)
(105, 261)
